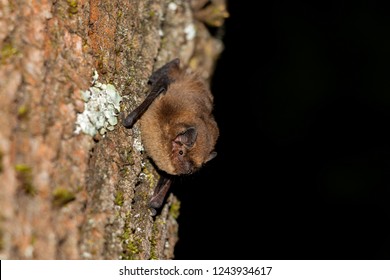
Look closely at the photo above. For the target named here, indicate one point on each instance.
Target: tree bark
(65, 194)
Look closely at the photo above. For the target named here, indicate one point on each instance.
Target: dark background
(302, 99)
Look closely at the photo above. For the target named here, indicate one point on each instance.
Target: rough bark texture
(65, 195)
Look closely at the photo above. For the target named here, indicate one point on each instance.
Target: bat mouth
(185, 172)
(189, 172)
(193, 169)
(189, 169)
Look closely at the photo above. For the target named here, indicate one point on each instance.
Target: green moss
(153, 255)
(62, 196)
(133, 248)
(153, 243)
(126, 234)
(119, 198)
(24, 175)
(72, 9)
(22, 111)
(22, 168)
(130, 244)
(7, 51)
(174, 210)
(146, 170)
(72, 3)
(157, 226)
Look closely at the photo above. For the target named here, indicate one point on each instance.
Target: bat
(178, 129)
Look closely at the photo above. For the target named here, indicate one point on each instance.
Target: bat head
(191, 148)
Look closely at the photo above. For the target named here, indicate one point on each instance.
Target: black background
(302, 99)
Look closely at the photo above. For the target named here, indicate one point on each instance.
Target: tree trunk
(72, 187)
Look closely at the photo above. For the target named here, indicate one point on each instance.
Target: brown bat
(177, 126)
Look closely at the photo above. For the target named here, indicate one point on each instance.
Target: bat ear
(187, 137)
(211, 156)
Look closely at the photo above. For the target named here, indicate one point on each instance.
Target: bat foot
(153, 212)
(154, 204)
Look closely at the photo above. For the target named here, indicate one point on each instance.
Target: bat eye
(181, 152)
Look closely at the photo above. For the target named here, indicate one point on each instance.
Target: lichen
(137, 144)
(190, 31)
(24, 175)
(102, 106)
(172, 6)
(62, 196)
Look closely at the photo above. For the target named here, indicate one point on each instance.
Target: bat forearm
(159, 87)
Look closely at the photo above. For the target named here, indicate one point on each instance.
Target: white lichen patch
(138, 145)
(172, 6)
(101, 108)
(190, 32)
